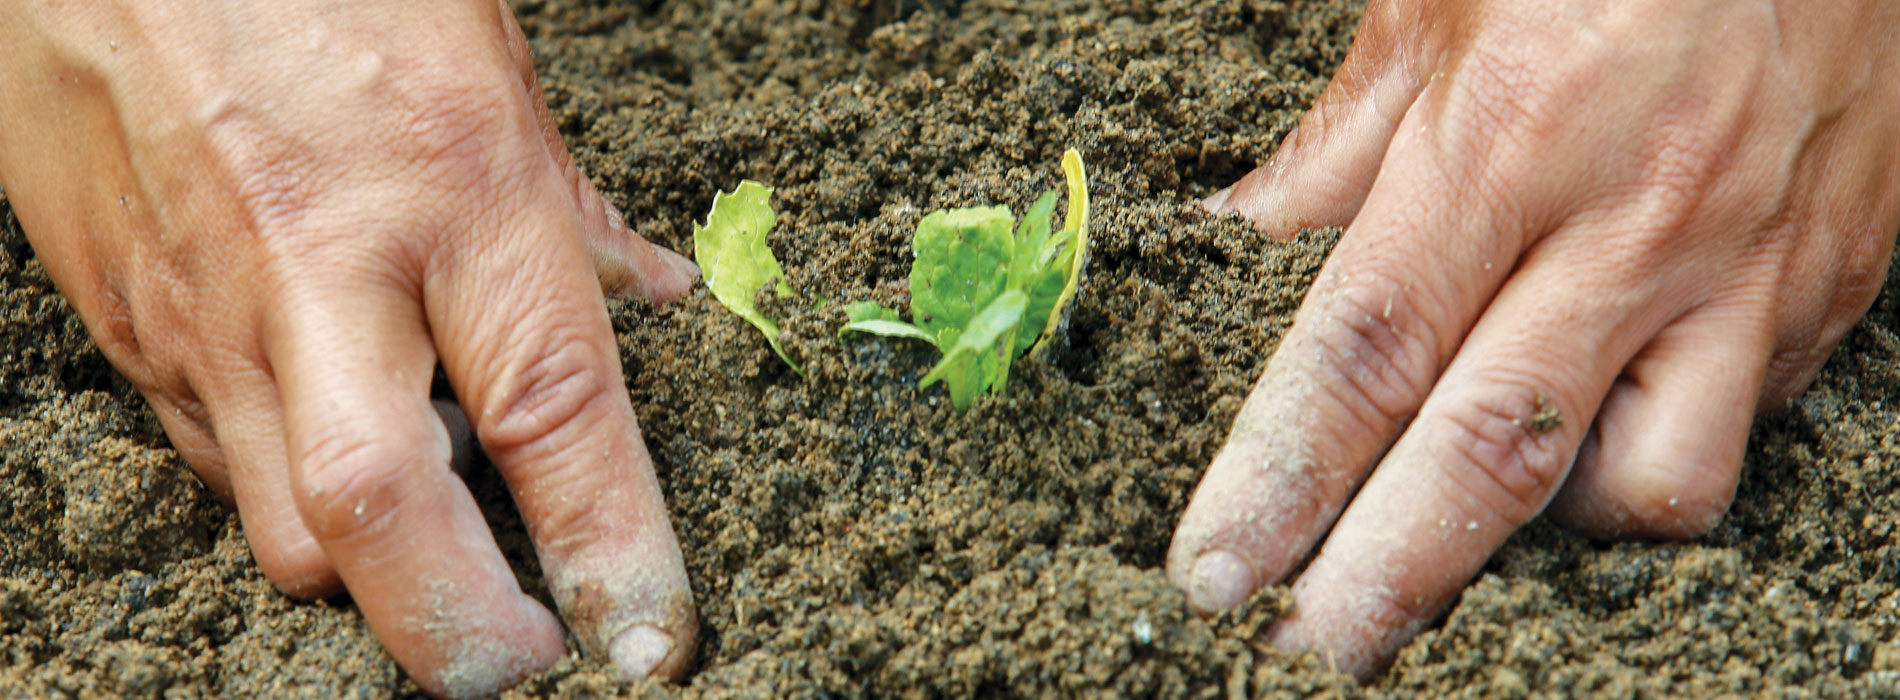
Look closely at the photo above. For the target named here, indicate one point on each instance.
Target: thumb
(1322, 171)
(626, 264)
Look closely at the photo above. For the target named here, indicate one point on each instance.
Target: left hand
(1587, 241)
(278, 219)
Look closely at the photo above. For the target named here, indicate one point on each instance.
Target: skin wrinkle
(1384, 384)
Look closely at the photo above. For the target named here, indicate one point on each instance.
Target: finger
(370, 475)
(1488, 449)
(1392, 303)
(626, 264)
(525, 340)
(1322, 171)
(1663, 458)
(190, 435)
(250, 422)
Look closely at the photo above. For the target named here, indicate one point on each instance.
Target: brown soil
(847, 534)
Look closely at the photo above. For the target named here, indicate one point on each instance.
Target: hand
(1587, 241)
(276, 218)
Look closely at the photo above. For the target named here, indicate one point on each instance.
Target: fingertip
(626, 264)
(656, 273)
(1218, 581)
(297, 567)
(633, 608)
(251, 422)
(482, 663)
(1217, 202)
(1358, 634)
(678, 281)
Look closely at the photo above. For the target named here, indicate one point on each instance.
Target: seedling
(984, 295)
(731, 252)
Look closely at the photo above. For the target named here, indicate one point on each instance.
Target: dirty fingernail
(640, 650)
(678, 262)
(1216, 201)
(1219, 581)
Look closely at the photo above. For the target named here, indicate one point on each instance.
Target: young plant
(984, 295)
(732, 255)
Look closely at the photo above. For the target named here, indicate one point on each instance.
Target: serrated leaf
(732, 255)
(963, 258)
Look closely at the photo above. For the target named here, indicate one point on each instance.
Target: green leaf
(963, 259)
(981, 356)
(1076, 229)
(732, 255)
(1037, 270)
(895, 329)
(869, 310)
(1031, 236)
(984, 294)
(869, 317)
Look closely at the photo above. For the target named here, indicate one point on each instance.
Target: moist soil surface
(847, 534)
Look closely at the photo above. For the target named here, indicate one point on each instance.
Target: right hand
(1585, 241)
(276, 219)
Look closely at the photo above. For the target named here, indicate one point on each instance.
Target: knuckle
(1860, 275)
(1503, 454)
(350, 484)
(1522, 88)
(466, 133)
(1379, 341)
(1683, 157)
(541, 400)
(572, 527)
(1685, 182)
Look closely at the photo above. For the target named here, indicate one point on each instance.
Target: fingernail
(1219, 581)
(679, 262)
(640, 650)
(1216, 201)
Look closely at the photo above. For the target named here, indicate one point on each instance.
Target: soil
(847, 534)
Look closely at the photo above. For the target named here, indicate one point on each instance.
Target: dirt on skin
(849, 535)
